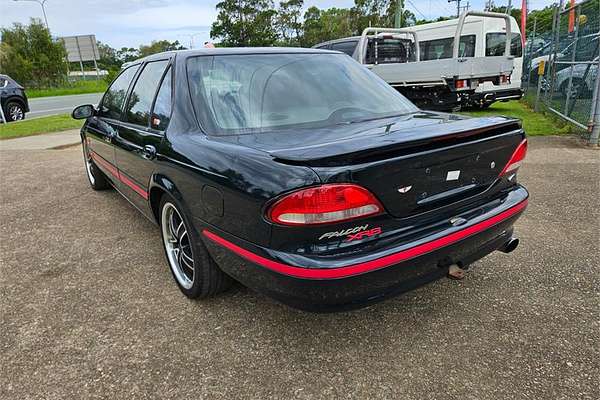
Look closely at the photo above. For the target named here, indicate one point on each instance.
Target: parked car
(13, 99)
(584, 76)
(586, 48)
(301, 174)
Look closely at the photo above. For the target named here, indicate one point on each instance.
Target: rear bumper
(361, 279)
(497, 95)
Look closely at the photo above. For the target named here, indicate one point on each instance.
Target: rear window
(258, 93)
(494, 44)
(345, 47)
(442, 48)
(389, 51)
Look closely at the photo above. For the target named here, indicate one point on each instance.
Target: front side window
(259, 93)
(114, 98)
(142, 95)
(494, 44)
(161, 113)
(442, 48)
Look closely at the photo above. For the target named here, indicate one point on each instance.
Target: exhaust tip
(510, 246)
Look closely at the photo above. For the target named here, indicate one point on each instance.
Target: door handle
(149, 152)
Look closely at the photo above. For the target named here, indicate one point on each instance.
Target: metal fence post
(552, 58)
(532, 41)
(572, 66)
(594, 125)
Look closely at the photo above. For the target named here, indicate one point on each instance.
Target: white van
(483, 37)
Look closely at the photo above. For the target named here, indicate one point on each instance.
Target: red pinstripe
(341, 272)
(118, 174)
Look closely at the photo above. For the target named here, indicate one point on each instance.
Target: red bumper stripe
(341, 272)
(119, 175)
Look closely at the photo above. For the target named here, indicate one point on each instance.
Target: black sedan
(13, 99)
(302, 175)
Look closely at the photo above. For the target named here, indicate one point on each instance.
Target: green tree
(158, 46)
(288, 21)
(31, 56)
(378, 13)
(322, 25)
(127, 54)
(245, 23)
(108, 57)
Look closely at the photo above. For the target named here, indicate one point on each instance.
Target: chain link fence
(561, 63)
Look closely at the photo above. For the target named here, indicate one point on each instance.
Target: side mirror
(83, 112)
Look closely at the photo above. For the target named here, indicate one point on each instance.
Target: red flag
(524, 21)
(572, 17)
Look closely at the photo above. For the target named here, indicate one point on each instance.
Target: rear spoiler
(397, 143)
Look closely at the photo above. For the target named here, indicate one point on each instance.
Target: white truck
(444, 65)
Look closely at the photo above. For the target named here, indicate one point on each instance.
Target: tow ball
(456, 272)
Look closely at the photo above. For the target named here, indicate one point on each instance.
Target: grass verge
(535, 124)
(36, 126)
(80, 87)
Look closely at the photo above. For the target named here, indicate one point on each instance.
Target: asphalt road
(42, 106)
(88, 307)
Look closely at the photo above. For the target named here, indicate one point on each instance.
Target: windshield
(237, 94)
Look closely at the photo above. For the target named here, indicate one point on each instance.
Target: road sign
(81, 48)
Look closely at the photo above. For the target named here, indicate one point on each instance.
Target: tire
(14, 111)
(194, 271)
(96, 178)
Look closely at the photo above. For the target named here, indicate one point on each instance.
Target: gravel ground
(88, 307)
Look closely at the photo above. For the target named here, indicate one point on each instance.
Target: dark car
(301, 174)
(13, 99)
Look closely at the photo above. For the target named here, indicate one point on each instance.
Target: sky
(129, 23)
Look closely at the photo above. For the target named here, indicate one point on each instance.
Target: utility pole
(508, 7)
(41, 3)
(457, 6)
(398, 14)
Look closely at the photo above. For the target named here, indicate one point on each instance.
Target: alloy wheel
(177, 245)
(88, 165)
(15, 112)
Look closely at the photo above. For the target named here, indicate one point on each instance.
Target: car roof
(220, 51)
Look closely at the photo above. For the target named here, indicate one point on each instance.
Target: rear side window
(442, 48)
(345, 47)
(162, 106)
(494, 44)
(114, 98)
(142, 95)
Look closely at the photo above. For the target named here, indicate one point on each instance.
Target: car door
(140, 132)
(101, 129)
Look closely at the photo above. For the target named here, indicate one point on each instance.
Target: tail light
(460, 83)
(324, 204)
(516, 159)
